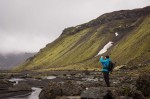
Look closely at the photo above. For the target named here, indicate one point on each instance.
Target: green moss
(135, 45)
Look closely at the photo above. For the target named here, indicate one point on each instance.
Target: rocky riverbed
(74, 84)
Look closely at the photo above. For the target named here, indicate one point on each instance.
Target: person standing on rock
(105, 64)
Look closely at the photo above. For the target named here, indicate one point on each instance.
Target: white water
(50, 77)
(116, 34)
(34, 94)
(36, 91)
(105, 48)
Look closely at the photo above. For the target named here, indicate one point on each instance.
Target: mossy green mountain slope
(136, 45)
(77, 47)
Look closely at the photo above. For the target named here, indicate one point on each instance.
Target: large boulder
(121, 92)
(71, 88)
(5, 84)
(143, 83)
(129, 91)
(97, 93)
(22, 86)
(51, 91)
(68, 88)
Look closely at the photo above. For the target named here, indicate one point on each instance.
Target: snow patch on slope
(105, 48)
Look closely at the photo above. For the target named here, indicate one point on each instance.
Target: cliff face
(108, 17)
(77, 47)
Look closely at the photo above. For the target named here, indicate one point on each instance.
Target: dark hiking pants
(106, 78)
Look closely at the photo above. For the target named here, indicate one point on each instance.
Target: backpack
(111, 66)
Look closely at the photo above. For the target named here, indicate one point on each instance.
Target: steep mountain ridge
(77, 47)
(108, 17)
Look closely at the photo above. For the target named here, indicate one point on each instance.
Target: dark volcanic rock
(97, 93)
(7, 89)
(143, 83)
(120, 92)
(69, 88)
(22, 86)
(51, 91)
(5, 84)
(130, 91)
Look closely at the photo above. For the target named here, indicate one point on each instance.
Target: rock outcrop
(22, 86)
(5, 84)
(97, 93)
(143, 83)
(69, 88)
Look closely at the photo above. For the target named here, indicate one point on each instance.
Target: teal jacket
(105, 63)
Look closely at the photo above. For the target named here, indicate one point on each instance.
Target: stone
(69, 97)
(130, 91)
(143, 83)
(71, 88)
(22, 86)
(5, 84)
(51, 91)
(119, 67)
(97, 93)
(54, 89)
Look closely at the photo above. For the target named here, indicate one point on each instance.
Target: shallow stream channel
(35, 90)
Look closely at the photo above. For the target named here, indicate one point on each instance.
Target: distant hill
(9, 61)
(77, 47)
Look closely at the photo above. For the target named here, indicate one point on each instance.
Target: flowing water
(36, 91)
(34, 95)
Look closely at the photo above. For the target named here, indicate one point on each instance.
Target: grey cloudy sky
(28, 25)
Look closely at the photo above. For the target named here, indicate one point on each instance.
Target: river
(34, 94)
